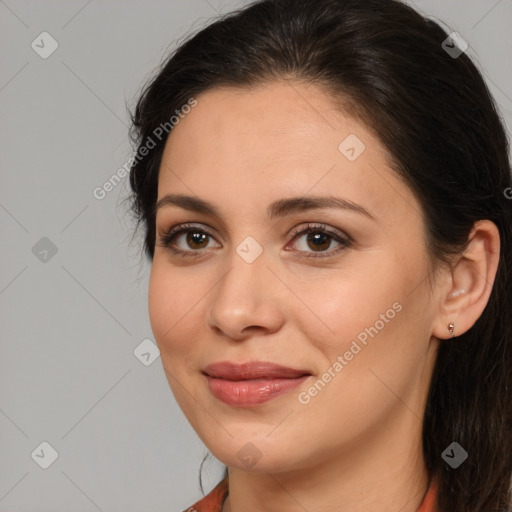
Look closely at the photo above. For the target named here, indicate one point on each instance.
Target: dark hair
(386, 66)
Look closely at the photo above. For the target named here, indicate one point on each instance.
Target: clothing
(214, 501)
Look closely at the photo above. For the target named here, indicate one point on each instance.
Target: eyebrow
(279, 208)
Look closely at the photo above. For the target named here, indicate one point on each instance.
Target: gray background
(71, 321)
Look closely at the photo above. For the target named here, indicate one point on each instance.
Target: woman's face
(357, 317)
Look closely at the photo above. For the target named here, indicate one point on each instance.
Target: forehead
(277, 120)
(240, 146)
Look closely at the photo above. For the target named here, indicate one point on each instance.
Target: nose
(247, 299)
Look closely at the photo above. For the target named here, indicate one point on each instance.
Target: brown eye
(319, 239)
(195, 239)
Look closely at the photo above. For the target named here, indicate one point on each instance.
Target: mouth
(251, 384)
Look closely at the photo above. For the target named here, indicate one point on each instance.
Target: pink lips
(251, 383)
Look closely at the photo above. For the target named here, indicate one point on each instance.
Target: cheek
(176, 303)
(170, 308)
(380, 333)
(369, 323)
(344, 303)
(367, 314)
(167, 304)
(159, 303)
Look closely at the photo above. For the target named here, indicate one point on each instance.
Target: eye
(318, 236)
(196, 238)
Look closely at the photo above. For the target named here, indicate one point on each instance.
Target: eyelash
(167, 239)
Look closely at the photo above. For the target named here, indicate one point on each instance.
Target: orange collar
(214, 501)
(428, 503)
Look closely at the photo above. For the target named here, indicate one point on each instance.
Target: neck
(382, 470)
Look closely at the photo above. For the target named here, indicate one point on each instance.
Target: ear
(469, 281)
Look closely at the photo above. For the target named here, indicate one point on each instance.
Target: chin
(256, 454)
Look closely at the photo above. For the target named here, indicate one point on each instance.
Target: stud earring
(451, 328)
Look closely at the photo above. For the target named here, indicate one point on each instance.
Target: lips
(251, 384)
(252, 370)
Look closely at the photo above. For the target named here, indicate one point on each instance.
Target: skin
(356, 446)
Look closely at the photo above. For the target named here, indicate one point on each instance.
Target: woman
(330, 230)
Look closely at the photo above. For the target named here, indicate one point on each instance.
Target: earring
(451, 328)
